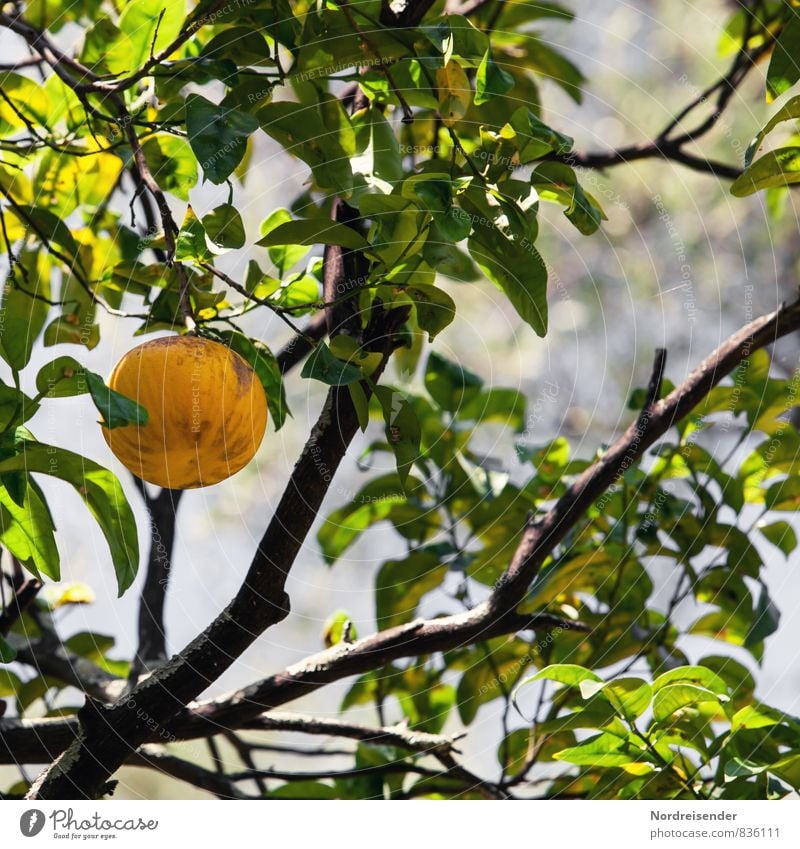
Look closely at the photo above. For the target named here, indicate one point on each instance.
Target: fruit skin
(207, 412)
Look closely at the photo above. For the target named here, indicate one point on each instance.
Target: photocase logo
(31, 822)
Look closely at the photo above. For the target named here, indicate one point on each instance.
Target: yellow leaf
(74, 593)
(455, 93)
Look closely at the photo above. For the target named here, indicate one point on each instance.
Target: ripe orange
(207, 412)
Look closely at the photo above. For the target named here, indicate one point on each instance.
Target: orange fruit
(207, 412)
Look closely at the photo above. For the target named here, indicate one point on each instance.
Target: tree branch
(220, 785)
(395, 735)
(404, 13)
(650, 150)
(50, 657)
(664, 146)
(298, 348)
(23, 595)
(417, 638)
(152, 648)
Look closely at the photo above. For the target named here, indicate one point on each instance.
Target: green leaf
(784, 69)
(76, 325)
(784, 495)
(446, 258)
(304, 790)
(7, 655)
(361, 404)
(629, 696)
(89, 644)
(240, 45)
(788, 770)
(218, 136)
(766, 617)
(738, 678)
(557, 181)
(402, 428)
(780, 534)
(28, 98)
(320, 134)
(314, 231)
(435, 308)
(27, 531)
(517, 269)
(172, 163)
(449, 384)
(375, 502)
(456, 35)
(9, 682)
(400, 584)
(700, 675)
(300, 290)
(116, 409)
(100, 490)
(283, 257)
(62, 378)
(790, 110)
(15, 407)
(23, 319)
(191, 242)
(377, 165)
(489, 673)
(533, 138)
(501, 406)
(47, 224)
(673, 697)
(397, 232)
(778, 168)
(224, 226)
(330, 43)
(323, 366)
(602, 750)
(348, 349)
(148, 25)
(266, 367)
(755, 716)
(549, 63)
(491, 80)
(569, 674)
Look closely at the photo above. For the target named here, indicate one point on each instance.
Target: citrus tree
(427, 155)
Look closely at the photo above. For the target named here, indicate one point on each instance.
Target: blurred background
(679, 264)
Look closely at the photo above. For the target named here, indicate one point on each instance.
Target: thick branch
(421, 637)
(42, 740)
(152, 649)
